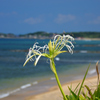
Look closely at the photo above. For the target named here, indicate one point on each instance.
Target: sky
(56, 16)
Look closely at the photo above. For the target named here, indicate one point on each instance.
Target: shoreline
(78, 38)
(54, 91)
(48, 86)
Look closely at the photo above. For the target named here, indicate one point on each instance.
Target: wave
(92, 71)
(15, 90)
(83, 51)
(52, 78)
(7, 94)
(18, 50)
(25, 86)
(78, 61)
(34, 83)
(4, 95)
(57, 58)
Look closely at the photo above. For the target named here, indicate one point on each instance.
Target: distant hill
(45, 35)
(86, 34)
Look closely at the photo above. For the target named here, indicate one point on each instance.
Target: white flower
(51, 50)
(36, 52)
(64, 40)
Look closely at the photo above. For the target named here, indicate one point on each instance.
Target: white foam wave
(57, 58)
(34, 83)
(18, 50)
(83, 51)
(7, 94)
(78, 61)
(92, 71)
(25, 86)
(4, 95)
(52, 78)
(15, 90)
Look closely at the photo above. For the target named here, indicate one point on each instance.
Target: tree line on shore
(46, 35)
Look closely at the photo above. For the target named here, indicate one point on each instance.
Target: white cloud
(8, 14)
(32, 20)
(64, 18)
(95, 21)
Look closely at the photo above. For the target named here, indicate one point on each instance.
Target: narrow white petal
(28, 59)
(37, 59)
(56, 37)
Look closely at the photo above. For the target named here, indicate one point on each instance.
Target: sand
(54, 92)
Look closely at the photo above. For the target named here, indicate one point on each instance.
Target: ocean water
(15, 78)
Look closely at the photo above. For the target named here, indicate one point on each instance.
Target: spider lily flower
(61, 41)
(51, 50)
(36, 52)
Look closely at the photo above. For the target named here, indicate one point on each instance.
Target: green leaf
(89, 91)
(74, 96)
(76, 87)
(97, 92)
(83, 80)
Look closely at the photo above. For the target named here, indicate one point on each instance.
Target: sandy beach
(54, 92)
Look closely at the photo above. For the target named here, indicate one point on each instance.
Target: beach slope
(54, 93)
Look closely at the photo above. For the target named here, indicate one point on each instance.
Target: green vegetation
(75, 34)
(45, 35)
(86, 34)
(85, 95)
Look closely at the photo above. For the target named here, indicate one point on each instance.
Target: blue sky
(25, 16)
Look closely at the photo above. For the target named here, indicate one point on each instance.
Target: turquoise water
(14, 77)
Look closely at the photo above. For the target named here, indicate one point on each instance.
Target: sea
(16, 79)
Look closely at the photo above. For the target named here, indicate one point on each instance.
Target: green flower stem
(57, 79)
(59, 84)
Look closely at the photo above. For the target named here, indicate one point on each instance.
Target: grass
(78, 94)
